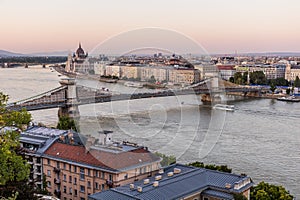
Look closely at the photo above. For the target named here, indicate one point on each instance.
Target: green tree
(258, 78)
(238, 78)
(272, 88)
(297, 82)
(152, 79)
(221, 168)
(288, 91)
(239, 197)
(166, 160)
(266, 191)
(66, 123)
(231, 79)
(12, 118)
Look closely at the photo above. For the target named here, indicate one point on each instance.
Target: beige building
(130, 72)
(159, 73)
(292, 72)
(187, 76)
(74, 171)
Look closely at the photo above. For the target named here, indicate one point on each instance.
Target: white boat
(289, 99)
(133, 84)
(224, 107)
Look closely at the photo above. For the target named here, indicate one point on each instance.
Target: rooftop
(97, 157)
(179, 181)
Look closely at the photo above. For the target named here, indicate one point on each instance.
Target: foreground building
(75, 171)
(34, 142)
(182, 182)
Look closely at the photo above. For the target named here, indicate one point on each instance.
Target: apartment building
(75, 171)
(34, 141)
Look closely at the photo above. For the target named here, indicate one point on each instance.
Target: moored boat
(289, 99)
(224, 107)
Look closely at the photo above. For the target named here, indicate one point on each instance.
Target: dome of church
(80, 51)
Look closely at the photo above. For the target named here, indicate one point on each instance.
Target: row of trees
(259, 78)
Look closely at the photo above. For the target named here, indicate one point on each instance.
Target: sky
(219, 26)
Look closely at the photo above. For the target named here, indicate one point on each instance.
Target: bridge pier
(71, 107)
(210, 98)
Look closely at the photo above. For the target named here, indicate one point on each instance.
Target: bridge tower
(213, 86)
(71, 107)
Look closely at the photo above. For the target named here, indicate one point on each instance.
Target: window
(57, 164)
(70, 179)
(82, 188)
(65, 189)
(75, 169)
(64, 165)
(89, 184)
(65, 177)
(70, 190)
(48, 161)
(38, 160)
(48, 173)
(75, 180)
(49, 184)
(125, 176)
(70, 166)
(81, 198)
(96, 186)
(102, 186)
(89, 172)
(205, 198)
(81, 173)
(102, 175)
(97, 173)
(75, 192)
(110, 177)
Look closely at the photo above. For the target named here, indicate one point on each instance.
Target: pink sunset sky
(220, 26)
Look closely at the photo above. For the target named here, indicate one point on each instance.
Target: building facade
(75, 171)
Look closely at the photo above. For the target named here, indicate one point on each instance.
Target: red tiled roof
(101, 158)
(225, 67)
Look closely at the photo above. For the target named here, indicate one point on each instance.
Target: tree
(258, 78)
(297, 82)
(238, 78)
(166, 160)
(66, 123)
(152, 79)
(272, 88)
(288, 91)
(12, 118)
(221, 168)
(239, 197)
(266, 191)
(231, 79)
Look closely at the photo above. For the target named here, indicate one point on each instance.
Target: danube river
(260, 138)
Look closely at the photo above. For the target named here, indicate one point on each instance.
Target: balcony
(57, 193)
(56, 170)
(57, 181)
(110, 183)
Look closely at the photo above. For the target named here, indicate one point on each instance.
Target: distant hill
(54, 53)
(4, 53)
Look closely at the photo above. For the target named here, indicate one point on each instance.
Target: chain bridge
(69, 96)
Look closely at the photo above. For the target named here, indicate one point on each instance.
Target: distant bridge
(68, 96)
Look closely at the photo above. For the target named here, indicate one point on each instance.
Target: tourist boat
(223, 107)
(133, 84)
(289, 99)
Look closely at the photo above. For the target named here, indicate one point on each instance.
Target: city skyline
(219, 26)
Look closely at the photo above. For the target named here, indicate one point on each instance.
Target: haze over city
(219, 26)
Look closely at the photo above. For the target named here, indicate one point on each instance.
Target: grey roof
(41, 137)
(189, 181)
